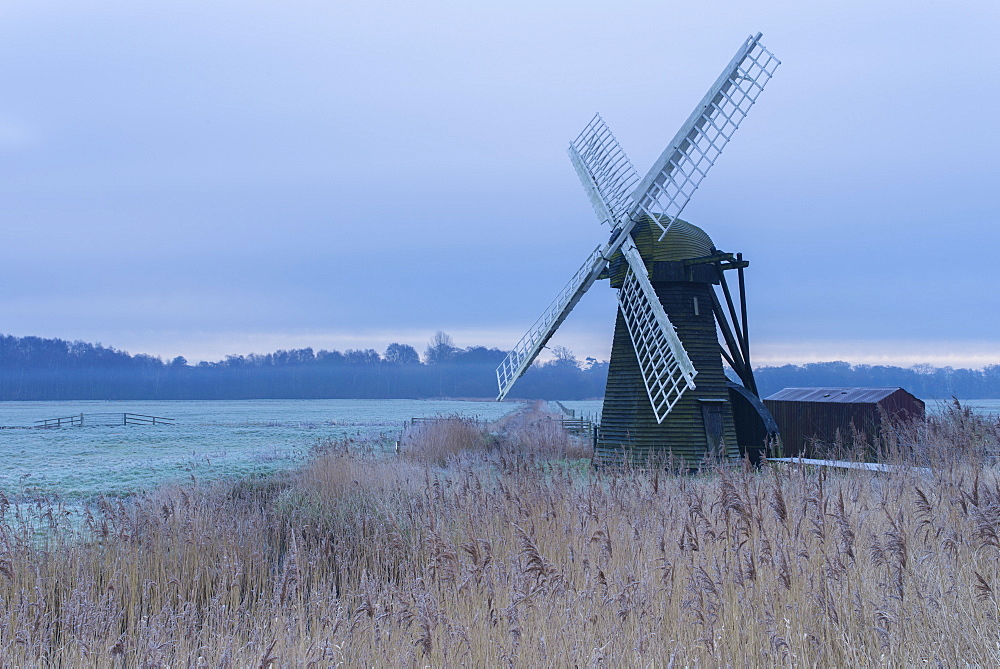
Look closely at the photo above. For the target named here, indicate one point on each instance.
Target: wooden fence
(104, 420)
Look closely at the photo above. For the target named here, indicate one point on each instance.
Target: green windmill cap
(682, 242)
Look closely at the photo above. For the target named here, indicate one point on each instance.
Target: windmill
(667, 393)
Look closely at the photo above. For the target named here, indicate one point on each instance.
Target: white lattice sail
(666, 368)
(676, 175)
(607, 174)
(609, 178)
(526, 350)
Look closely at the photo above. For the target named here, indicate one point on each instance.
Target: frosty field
(213, 439)
(208, 440)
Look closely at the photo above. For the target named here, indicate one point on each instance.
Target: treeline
(32, 368)
(923, 381)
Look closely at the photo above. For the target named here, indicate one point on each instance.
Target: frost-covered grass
(210, 440)
(511, 554)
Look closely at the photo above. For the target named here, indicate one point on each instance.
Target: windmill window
(696, 307)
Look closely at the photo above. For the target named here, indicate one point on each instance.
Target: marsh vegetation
(505, 548)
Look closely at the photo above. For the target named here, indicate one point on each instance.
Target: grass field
(490, 545)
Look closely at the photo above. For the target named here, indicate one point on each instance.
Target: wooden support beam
(728, 359)
(746, 331)
(732, 312)
(735, 357)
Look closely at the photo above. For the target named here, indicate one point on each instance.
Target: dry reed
(511, 558)
(440, 440)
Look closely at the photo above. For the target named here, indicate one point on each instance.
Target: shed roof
(839, 395)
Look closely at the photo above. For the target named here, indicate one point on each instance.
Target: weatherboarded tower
(684, 268)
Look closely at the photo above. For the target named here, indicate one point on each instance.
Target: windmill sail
(609, 178)
(611, 181)
(606, 172)
(666, 369)
(676, 175)
(526, 350)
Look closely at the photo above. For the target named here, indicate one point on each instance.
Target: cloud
(327, 172)
(900, 353)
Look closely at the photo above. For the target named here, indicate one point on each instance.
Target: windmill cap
(682, 242)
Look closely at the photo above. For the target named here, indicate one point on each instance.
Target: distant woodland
(32, 368)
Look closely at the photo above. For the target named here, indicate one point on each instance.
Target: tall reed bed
(514, 557)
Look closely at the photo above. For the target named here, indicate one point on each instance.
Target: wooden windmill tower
(667, 394)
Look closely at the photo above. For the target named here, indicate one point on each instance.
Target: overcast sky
(205, 178)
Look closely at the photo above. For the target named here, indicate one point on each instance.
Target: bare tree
(440, 349)
(564, 356)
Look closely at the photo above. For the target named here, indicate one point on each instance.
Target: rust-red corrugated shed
(807, 415)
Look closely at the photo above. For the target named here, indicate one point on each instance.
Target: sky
(212, 178)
